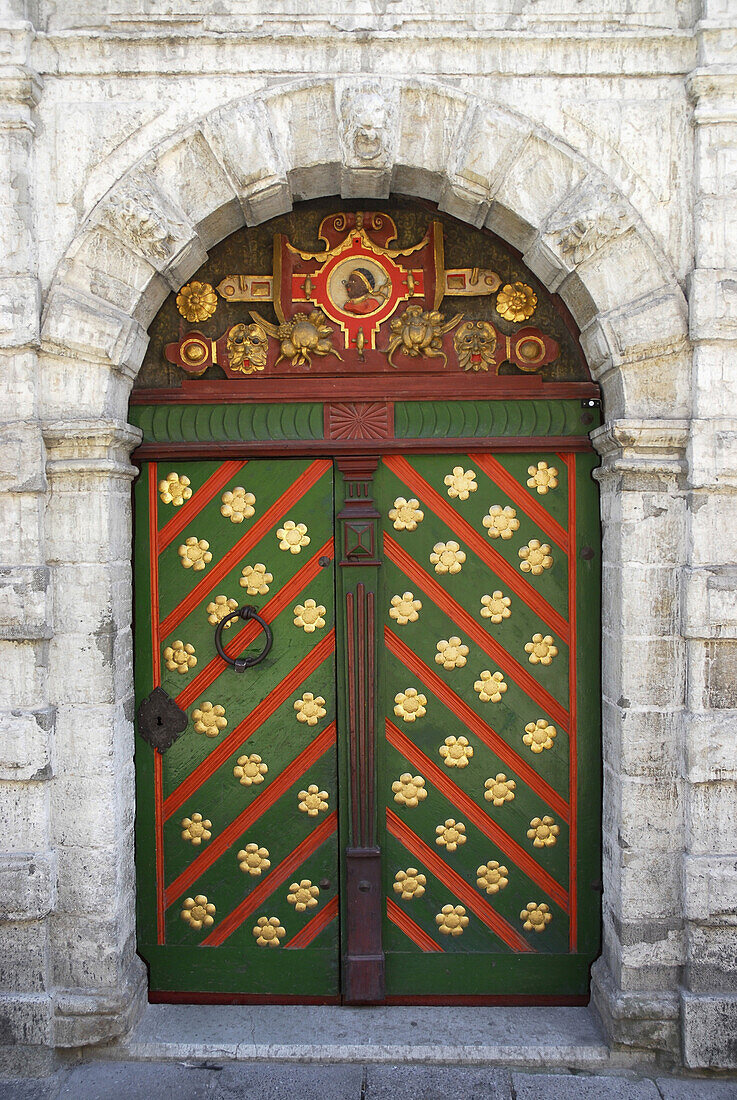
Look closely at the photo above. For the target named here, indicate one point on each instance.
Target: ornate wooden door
(488, 716)
(440, 776)
(237, 849)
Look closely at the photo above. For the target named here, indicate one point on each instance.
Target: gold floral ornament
(198, 912)
(461, 483)
(451, 920)
(490, 686)
(310, 708)
(536, 917)
(409, 790)
(219, 608)
(451, 834)
(268, 932)
(195, 554)
(543, 832)
(174, 489)
(209, 719)
(310, 616)
(303, 895)
(195, 829)
(252, 860)
(542, 478)
(312, 801)
(419, 333)
(541, 650)
(255, 579)
(501, 523)
(456, 752)
(406, 514)
(301, 337)
(447, 557)
(535, 557)
(293, 536)
(250, 770)
(451, 653)
(495, 606)
(179, 657)
(539, 735)
(410, 705)
(197, 302)
(237, 504)
(409, 884)
(405, 608)
(492, 877)
(499, 789)
(516, 302)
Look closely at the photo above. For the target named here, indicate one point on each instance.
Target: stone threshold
(560, 1037)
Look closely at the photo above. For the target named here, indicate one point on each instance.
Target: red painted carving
(359, 420)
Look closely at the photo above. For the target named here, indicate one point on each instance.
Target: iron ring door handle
(240, 664)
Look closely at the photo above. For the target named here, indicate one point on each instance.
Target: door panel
(252, 741)
(483, 682)
(491, 734)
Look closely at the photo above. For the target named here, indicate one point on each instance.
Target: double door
(400, 801)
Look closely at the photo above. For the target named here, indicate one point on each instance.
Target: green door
(411, 813)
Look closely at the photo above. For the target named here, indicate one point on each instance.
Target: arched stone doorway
(247, 162)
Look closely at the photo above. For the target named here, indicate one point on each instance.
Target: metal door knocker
(240, 664)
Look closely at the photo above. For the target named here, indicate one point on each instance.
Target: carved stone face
(247, 348)
(366, 122)
(475, 344)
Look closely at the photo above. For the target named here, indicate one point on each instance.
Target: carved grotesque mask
(475, 344)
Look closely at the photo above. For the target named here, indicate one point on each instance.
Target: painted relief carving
(499, 789)
(406, 514)
(358, 420)
(410, 705)
(496, 606)
(456, 752)
(501, 522)
(539, 735)
(253, 859)
(312, 801)
(198, 912)
(197, 302)
(195, 553)
(179, 656)
(409, 790)
(303, 895)
(490, 686)
(452, 920)
(460, 483)
(219, 609)
(360, 302)
(419, 333)
(175, 489)
(451, 653)
(237, 504)
(492, 877)
(268, 932)
(541, 650)
(536, 917)
(209, 719)
(309, 616)
(543, 832)
(256, 579)
(447, 557)
(542, 478)
(451, 834)
(195, 829)
(310, 708)
(405, 608)
(536, 557)
(293, 536)
(409, 884)
(250, 770)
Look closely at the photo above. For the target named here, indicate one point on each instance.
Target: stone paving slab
(108, 1080)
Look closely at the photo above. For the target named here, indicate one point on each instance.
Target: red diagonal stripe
(274, 514)
(475, 631)
(263, 802)
(475, 814)
(199, 500)
(521, 497)
(478, 543)
(273, 881)
(314, 927)
(242, 633)
(412, 930)
(469, 717)
(450, 878)
(250, 723)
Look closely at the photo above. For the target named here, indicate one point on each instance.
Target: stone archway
(244, 163)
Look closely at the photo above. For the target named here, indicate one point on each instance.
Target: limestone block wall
(599, 140)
